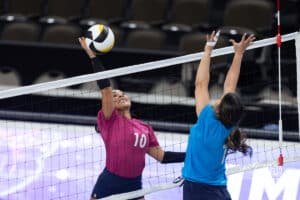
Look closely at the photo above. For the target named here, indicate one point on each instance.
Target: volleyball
(100, 38)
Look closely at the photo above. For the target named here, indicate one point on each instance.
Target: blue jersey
(205, 155)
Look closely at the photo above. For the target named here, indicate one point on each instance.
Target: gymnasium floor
(51, 161)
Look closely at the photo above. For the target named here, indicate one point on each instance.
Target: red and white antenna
(278, 41)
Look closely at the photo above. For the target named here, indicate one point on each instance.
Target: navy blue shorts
(109, 184)
(200, 191)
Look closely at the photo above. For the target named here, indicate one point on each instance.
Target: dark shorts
(200, 191)
(109, 184)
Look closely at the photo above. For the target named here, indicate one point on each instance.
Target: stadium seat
(62, 12)
(255, 15)
(188, 15)
(16, 10)
(146, 39)
(104, 12)
(21, 31)
(144, 13)
(50, 75)
(61, 34)
(216, 12)
(9, 76)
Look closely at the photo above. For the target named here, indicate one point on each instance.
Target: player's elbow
(157, 153)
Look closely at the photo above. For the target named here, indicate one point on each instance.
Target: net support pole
(297, 43)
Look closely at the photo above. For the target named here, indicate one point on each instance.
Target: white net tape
(134, 68)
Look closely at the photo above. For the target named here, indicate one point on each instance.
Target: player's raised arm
(104, 84)
(233, 73)
(203, 74)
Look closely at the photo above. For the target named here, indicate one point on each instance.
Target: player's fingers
(232, 41)
(212, 35)
(243, 37)
(250, 39)
(81, 39)
(216, 37)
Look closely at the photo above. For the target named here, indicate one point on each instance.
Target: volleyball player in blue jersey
(216, 131)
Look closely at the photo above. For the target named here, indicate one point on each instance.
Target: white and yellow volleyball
(100, 38)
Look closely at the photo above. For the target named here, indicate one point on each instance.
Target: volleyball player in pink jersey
(127, 140)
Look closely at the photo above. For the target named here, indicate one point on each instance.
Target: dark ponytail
(236, 141)
(230, 111)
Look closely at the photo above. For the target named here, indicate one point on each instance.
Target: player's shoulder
(207, 109)
(138, 121)
(142, 123)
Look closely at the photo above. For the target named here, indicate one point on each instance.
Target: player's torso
(126, 146)
(130, 134)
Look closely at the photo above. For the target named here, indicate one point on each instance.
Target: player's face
(121, 100)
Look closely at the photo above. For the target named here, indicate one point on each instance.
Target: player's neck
(126, 113)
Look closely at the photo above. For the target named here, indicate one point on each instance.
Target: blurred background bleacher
(38, 41)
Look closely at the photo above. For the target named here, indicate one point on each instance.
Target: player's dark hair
(236, 141)
(230, 111)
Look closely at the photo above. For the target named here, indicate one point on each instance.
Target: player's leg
(109, 184)
(101, 188)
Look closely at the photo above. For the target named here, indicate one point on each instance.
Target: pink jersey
(126, 142)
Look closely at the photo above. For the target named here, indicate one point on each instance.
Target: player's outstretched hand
(241, 46)
(89, 52)
(211, 40)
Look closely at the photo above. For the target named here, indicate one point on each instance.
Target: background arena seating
(38, 37)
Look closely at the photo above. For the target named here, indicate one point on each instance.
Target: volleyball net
(50, 150)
